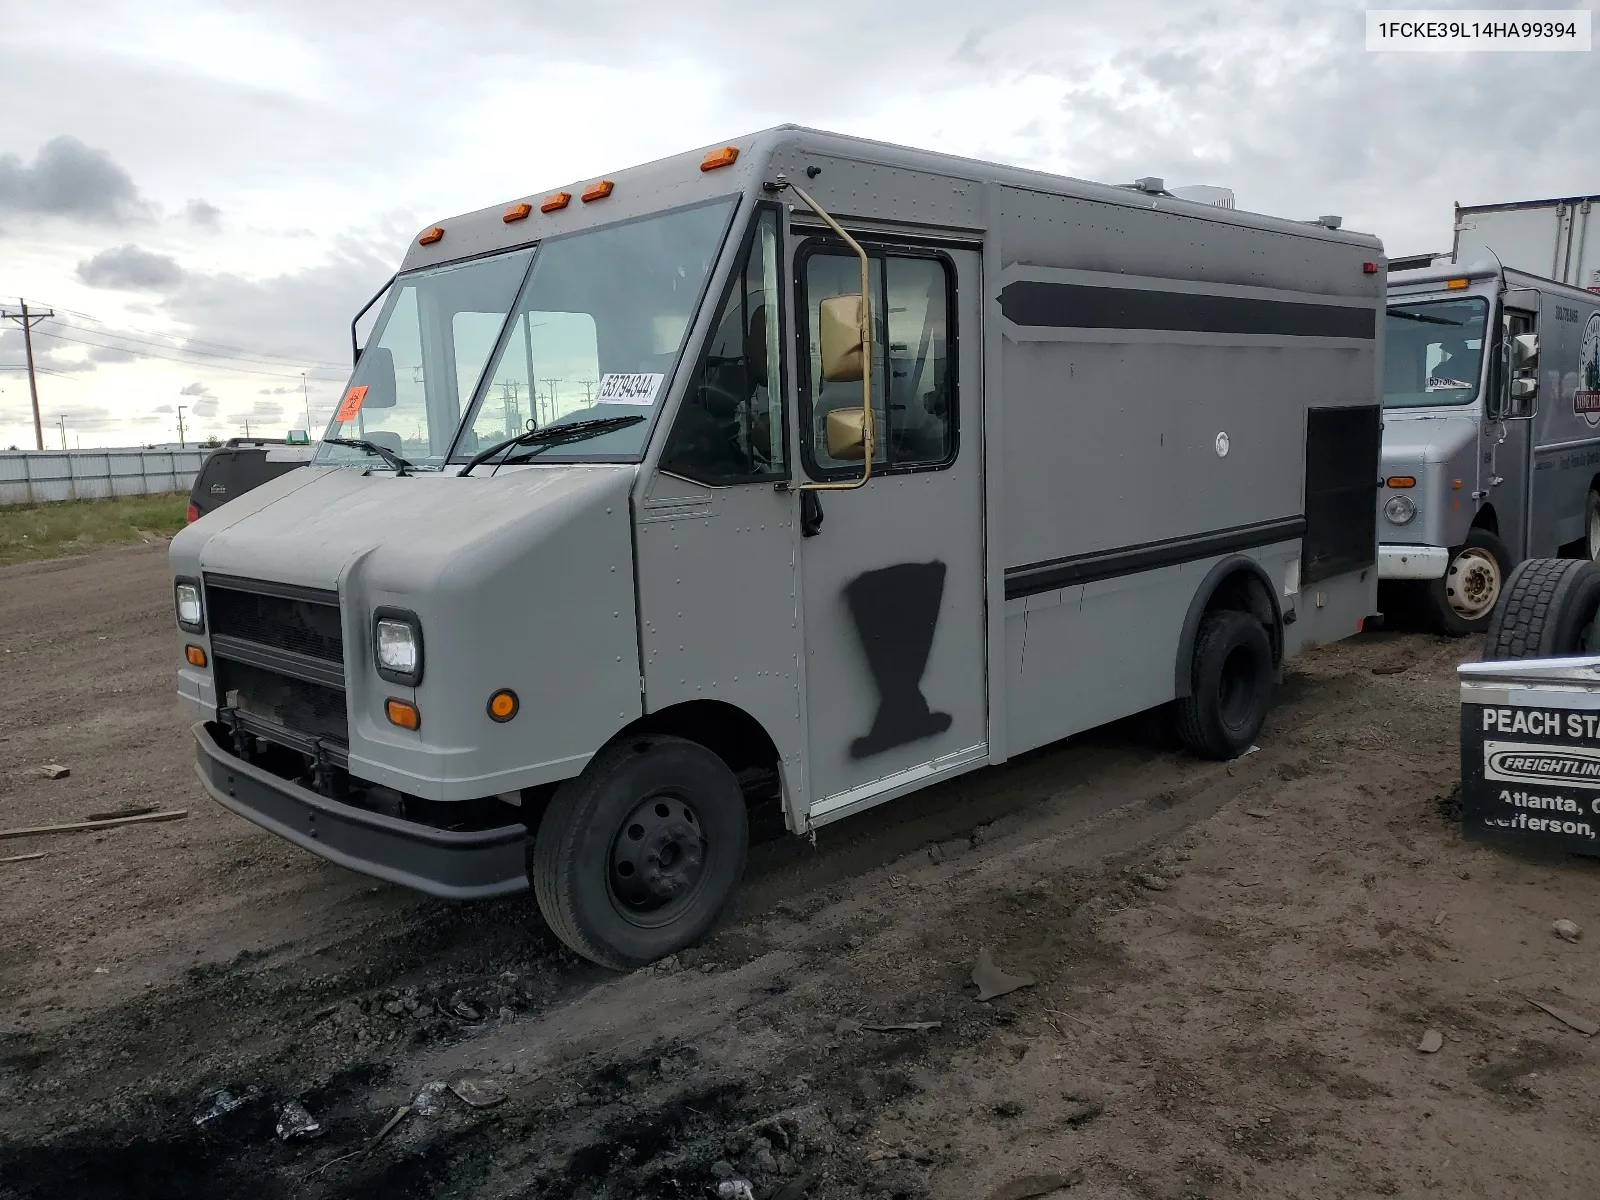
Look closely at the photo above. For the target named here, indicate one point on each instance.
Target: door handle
(810, 514)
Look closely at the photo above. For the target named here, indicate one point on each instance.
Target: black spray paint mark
(896, 610)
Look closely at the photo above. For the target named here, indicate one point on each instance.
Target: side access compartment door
(892, 578)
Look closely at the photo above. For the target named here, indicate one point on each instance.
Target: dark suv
(239, 465)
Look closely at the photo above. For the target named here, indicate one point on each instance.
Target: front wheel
(1462, 600)
(634, 859)
(1591, 525)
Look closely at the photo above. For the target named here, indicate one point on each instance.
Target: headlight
(191, 615)
(397, 645)
(1399, 510)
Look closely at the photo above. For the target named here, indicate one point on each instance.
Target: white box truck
(801, 464)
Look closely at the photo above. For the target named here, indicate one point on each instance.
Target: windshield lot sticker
(628, 389)
(351, 404)
(1586, 400)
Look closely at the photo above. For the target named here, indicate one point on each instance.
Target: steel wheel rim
(1594, 530)
(1472, 583)
(657, 861)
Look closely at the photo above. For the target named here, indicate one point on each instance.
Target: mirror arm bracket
(869, 432)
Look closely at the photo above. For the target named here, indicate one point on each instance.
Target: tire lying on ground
(1547, 609)
(1463, 599)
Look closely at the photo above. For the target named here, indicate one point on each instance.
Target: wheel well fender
(729, 732)
(1487, 518)
(1238, 583)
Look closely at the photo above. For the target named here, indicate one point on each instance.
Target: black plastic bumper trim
(451, 864)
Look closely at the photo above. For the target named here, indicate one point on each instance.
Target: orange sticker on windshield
(351, 404)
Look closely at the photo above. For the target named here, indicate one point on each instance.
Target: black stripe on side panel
(1039, 577)
(1079, 306)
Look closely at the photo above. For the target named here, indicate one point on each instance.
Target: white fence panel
(41, 476)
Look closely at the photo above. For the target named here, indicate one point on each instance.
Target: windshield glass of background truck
(423, 360)
(597, 332)
(1433, 352)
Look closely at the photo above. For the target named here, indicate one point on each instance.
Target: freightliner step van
(1491, 441)
(803, 465)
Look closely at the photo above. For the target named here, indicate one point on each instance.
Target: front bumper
(1412, 562)
(453, 864)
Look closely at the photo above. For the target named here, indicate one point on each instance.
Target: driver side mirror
(847, 434)
(1525, 352)
(839, 332)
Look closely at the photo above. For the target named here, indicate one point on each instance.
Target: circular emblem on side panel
(1586, 400)
(1222, 444)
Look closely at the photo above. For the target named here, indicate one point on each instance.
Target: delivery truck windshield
(581, 327)
(1434, 352)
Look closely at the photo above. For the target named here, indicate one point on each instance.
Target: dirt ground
(1233, 967)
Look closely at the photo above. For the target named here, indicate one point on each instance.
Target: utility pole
(181, 444)
(306, 396)
(62, 421)
(27, 320)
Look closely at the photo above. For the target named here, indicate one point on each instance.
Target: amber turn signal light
(403, 713)
(556, 200)
(517, 212)
(725, 157)
(598, 191)
(503, 705)
(433, 235)
(195, 655)
(1401, 481)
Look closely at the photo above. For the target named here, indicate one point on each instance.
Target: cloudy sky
(205, 192)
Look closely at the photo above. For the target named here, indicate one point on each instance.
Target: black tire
(1546, 610)
(1230, 686)
(1463, 599)
(634, 859)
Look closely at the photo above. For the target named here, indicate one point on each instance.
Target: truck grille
(279, 658)
(304, 622)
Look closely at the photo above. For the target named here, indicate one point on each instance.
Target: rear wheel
(1591, 525)
(1548, 610)
(634, 859)
(1230, 686)
(1463, 599)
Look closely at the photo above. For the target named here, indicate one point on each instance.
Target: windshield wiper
(1411, 316)
(551, 435)
(399, 464)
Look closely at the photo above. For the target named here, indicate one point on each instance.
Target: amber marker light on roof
(403, 714)
(433, 235)
(555, 201)
(598, 190)
(517, 212)
(725, 157)
(1457, 284)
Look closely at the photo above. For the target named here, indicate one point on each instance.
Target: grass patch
(34, 531)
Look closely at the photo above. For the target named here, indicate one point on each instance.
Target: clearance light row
(599, 190)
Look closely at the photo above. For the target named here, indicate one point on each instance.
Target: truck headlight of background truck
(191, 615)
(1400, 509)
(397, 645)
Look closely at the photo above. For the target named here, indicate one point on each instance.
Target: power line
(265, 360)
(215, 366)
(110, 331)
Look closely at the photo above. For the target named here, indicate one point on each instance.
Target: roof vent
(1151, 183)
(1204, 193)
(1330, 222)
